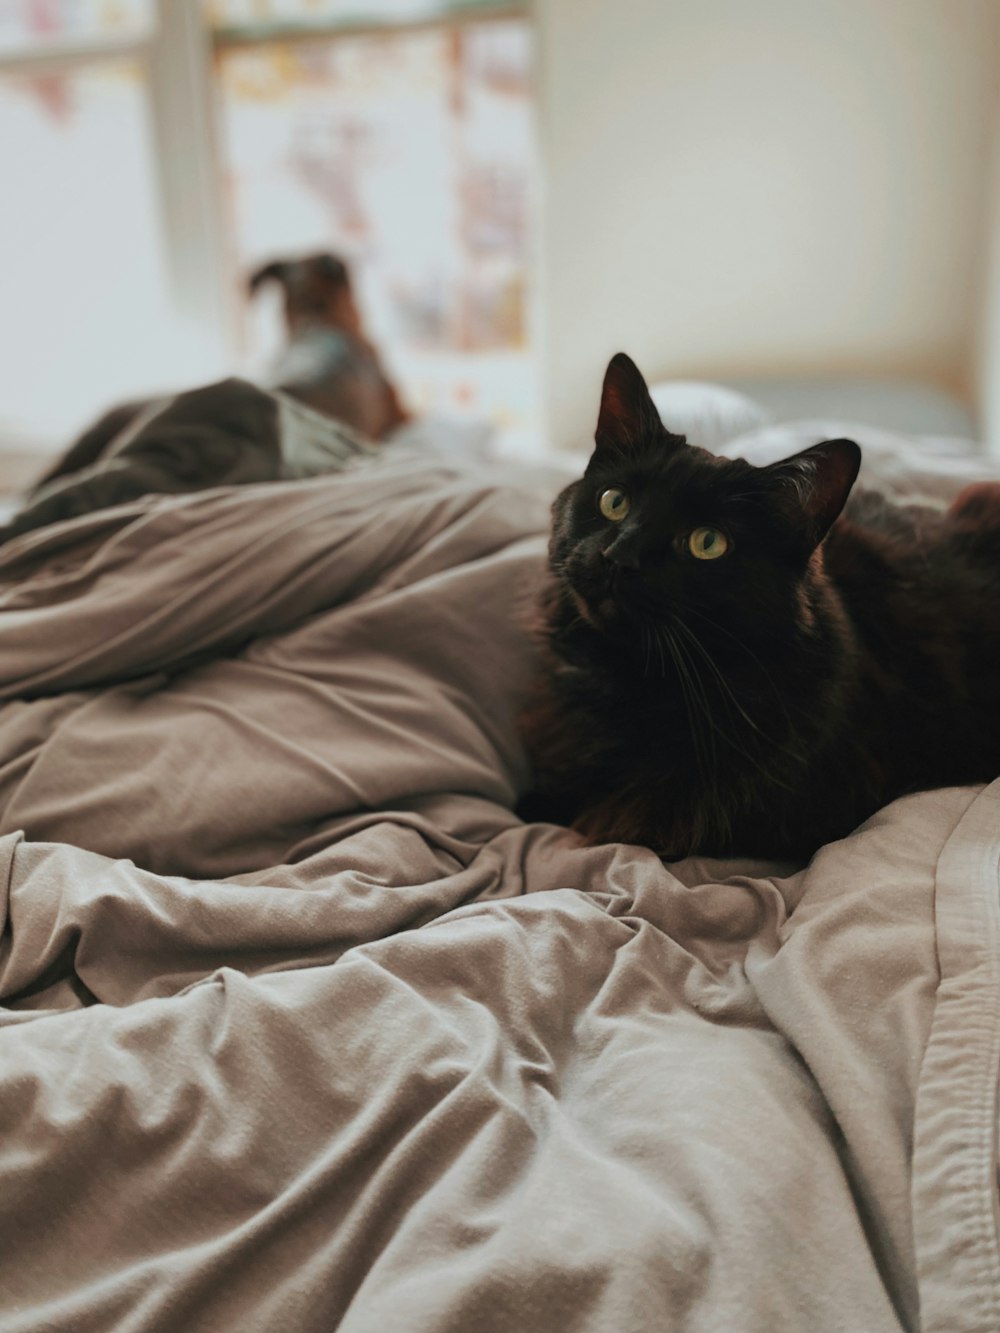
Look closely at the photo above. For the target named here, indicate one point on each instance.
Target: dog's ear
(332, 268)
(276, 271)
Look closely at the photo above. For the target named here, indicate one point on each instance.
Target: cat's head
(658, 528)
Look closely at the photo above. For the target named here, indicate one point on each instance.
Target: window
(154, 153)
(32, 26)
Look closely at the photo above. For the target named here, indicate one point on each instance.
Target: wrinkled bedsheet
(302, 1028)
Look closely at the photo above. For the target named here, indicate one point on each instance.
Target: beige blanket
(303, 1029)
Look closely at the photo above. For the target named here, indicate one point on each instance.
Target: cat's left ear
(814, 485)
(628, 414)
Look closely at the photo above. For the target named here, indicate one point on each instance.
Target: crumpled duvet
(302, 1028)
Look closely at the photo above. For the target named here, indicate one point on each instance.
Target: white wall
(758, 186)
(988, 368)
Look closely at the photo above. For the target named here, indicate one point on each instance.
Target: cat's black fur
(841, 653)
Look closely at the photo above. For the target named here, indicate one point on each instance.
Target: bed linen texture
(302, 1028)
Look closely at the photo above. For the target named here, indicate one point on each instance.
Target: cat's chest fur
(651, 745)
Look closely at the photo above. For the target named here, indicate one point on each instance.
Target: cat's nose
(623, 554)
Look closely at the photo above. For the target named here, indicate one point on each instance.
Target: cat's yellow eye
(707, 543)
(613, 504)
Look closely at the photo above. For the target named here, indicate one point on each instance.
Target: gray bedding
(304, 1029)
(230, 433)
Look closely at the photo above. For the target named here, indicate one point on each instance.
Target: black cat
(733, 665)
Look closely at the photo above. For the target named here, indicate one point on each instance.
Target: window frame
(178, 54)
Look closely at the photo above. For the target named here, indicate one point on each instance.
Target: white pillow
(911, 469)
(910, 407)
(708, 414)
(442, 436)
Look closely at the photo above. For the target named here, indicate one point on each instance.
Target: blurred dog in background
(328, 362)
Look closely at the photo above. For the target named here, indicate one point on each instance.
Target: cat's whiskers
(659, 648)
(700, 694)
(647, 640)
(720, 818)
(714, 624)
(714, 728)
(727, 690)
(694, 708)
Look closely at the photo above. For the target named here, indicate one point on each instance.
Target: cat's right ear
(628, 415)
(813, 486)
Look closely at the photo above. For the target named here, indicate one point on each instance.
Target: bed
(303, 1028)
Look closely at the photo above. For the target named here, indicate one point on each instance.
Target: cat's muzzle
(608, 594)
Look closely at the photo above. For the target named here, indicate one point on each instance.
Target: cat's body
(768, 701)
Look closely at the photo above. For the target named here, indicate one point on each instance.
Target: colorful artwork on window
(30, 24)
(411, 155)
